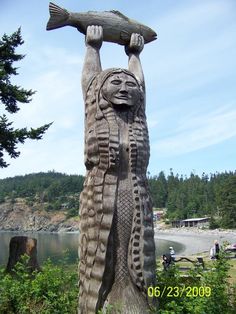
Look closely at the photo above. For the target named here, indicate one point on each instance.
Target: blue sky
(190, 73)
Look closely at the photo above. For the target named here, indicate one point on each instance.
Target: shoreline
(185, 241)
(157, 229)
(195, 230)
(194, 240)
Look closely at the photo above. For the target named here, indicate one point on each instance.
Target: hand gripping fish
(117, 27)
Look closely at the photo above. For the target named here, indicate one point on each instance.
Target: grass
(232, 272)
(55, 289)
(208, 265)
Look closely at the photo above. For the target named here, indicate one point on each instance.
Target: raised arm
(92, 62)
(133, 51)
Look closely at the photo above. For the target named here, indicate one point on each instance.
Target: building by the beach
(191, 222)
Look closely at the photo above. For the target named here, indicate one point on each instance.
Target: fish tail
(58, 16)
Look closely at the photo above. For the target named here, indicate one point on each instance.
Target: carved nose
(123, 88)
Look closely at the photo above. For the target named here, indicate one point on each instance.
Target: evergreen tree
(10, 97)
(173, 193)
(184, 197)
(158, 189)
(227, 203)
(162, 189)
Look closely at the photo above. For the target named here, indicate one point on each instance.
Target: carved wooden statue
(116, 244)
(117, 252)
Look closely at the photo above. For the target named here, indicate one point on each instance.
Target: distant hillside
(52, 183)
(184, 197)
(19, 216)
(40, 202)
(53, 191)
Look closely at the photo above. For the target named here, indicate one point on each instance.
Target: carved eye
(130, 84)
(116, 82)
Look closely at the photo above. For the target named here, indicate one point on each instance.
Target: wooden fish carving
(117, 27)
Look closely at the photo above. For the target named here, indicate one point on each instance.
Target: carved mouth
(123, 97)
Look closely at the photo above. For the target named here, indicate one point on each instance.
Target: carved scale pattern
(100, 198)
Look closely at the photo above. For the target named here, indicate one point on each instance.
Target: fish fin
(58, 16)
(120, 14)
(125, 36)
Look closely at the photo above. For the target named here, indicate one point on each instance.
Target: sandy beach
(195, 240)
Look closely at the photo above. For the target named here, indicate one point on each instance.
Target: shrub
(51, 290)
(214, 223)
(219, 296)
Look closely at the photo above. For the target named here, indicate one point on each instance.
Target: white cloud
(194, 133)
(193, 77)
(55, 57)
(196, 13)
(56, 76)
(64, 156)
(196, 45)
(58, 95)
(189, 74)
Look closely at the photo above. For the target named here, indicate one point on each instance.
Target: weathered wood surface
(117, 250)
(196, 262)
(20, 245)
(117, 27)
(116, 240)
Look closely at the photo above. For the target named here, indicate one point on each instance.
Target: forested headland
(183, 197)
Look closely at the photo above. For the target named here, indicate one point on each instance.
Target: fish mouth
(154, 35)
(150, 38)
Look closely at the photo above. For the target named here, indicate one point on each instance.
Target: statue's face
(121, 89)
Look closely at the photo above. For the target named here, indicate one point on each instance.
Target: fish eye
(116, 82)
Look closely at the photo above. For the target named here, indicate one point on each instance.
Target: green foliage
(52, 290)
(184, 197)
(72, 212)
(50, 191)
(158, 189)
(10, 97)
(110, 309)
(220, 298)
(42, 187)
(214, 223)
(227, 202)
(194, 196)
(2, 198)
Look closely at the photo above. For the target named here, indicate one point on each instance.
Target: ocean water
(58, 245)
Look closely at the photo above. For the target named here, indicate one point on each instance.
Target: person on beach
(215, 250)
(172, 253)
(168, 258)
(166, 261)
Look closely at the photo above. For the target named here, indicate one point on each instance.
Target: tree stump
(19, 246)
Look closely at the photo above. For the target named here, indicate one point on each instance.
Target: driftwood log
(19, 246)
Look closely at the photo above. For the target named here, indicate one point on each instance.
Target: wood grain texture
(117, 27)
(117, 251)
